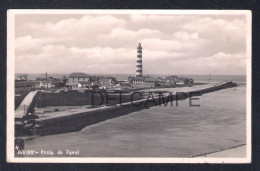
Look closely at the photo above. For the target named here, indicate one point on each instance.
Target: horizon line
(43, 73)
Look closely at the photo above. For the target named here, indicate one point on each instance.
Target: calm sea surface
(183, 131)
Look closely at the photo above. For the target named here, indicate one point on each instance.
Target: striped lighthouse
(139, 67)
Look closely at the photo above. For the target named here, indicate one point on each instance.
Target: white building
(46, 84)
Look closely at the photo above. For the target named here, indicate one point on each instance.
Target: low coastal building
(151, 82)
(84, 84)
(77, 80)
(184, 80)
(171, 80)
(73, 85)
(136, 80)
(82, 80)
(107, 81)
(96, 85)
(46, 84)
(78, 85)
(180, 82)
(77, 77)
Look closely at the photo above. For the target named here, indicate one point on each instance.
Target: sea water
(218, 123)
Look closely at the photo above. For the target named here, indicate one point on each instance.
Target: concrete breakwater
(69, 122)
(76, 98)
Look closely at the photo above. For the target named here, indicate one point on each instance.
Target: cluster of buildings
(79, 80)
(76, 80)
(169, 81)
(82, 80)
(41, 82)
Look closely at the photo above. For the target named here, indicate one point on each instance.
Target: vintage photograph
(129, 86)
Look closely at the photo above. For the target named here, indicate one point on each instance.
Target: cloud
(172, 44)
(86, 25)
(123, 37)
(182, 35)
(28, 44)
(225, 36)
(58, 58)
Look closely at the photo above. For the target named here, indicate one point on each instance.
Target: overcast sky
(106, 44)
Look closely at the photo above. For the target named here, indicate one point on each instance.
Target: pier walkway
(22, 109)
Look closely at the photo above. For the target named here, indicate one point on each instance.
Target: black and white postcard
(129, 86)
